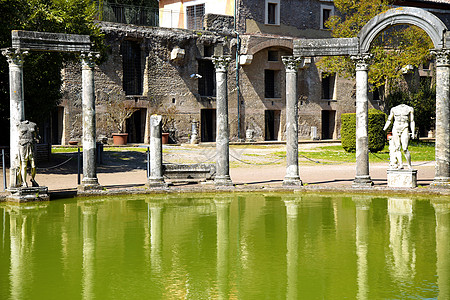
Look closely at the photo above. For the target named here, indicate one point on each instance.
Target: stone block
(28, 194)
(325, 47)
(47, 41)
(402, 178)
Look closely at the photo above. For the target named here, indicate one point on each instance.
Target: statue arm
(389, 120)
(412, 124)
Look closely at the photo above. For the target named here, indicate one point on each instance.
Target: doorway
(136, 126)
(328, 124)
(208, 125)
(57, 125)
(272, 124)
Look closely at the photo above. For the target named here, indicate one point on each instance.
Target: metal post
(148, 162)
(78, 166)
(4, 169)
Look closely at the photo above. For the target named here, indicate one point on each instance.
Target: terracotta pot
(120, 138)
(165, 138)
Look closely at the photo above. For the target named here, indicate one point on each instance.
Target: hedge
(377, 136)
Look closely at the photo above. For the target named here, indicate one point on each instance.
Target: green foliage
(376, 134)
(348, 132)
(392, 50)
(42, 71)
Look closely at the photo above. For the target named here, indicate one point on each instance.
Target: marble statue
(27, 139)
(403, 129)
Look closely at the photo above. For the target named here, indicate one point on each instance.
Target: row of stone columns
(15, 59)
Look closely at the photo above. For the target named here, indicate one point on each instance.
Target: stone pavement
(125, 171)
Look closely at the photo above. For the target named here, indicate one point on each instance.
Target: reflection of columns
(89, 223)
(292, 247)
(22, 236)
(362, 232)
(402, 250)
(222, 136)
(156, 165)
(156, 216)
(15, 59)
(90, 180)
(442, 172)
(292, 177)
(362, 178)
(223, 241)
(442, 212)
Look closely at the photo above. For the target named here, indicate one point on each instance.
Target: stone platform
(28, 194)
(402, 178)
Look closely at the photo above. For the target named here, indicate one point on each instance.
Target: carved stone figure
(403, 116)
(27, 139)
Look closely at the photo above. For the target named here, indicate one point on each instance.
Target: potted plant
(119, 110)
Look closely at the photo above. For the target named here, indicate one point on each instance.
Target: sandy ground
(252, 166)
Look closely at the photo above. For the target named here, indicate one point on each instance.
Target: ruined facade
(170, 71)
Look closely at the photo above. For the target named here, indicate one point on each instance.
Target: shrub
(377, 137)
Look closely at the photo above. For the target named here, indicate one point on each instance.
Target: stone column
(90, 181)
(222, 135)
(292, 177)
(442, 168)
(156, 178)
(15, 59)
(362, 178)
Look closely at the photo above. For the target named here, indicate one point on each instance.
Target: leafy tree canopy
(392, 50)
(42, 79)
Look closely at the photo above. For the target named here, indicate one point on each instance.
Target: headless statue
(403, 116)
(27, 139)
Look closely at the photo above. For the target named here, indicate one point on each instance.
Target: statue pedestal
(402, 178)
(28, 194)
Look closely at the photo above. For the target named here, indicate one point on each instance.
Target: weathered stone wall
(296, 19)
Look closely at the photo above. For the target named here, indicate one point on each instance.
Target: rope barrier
(258, 164)
(58, 165)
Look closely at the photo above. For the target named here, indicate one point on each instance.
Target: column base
(292, 181)
(156, 182)
(27, 194)
(223, 181)
(89, 184)
(441, 182)
(362, 182)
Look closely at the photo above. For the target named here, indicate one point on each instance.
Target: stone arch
(282, 43)
(431, 24)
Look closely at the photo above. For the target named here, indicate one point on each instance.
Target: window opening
(272, 55)
(131, 64)
(194, 14)
(208, 50)
(271, 13)
(206, 84)
(269, 83)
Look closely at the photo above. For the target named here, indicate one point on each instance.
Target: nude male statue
(403, 116)
(27, 139)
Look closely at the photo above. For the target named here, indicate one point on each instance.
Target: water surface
(229, 246)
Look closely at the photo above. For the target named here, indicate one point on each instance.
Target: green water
(247, 246)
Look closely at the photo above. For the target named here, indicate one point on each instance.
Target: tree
(392, 50)
(42, 71)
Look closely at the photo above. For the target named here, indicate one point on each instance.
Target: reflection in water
(156, 208)
(403, 253)
(23, 222)
(442, 212)
(292, 246)
(223, 244)
(89, 211)
(362, 237)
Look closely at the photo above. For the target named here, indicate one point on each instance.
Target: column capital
(221, 62)
(15, 55)
(291, 63)
(88, 59)
(442, 57)
(361, 61)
